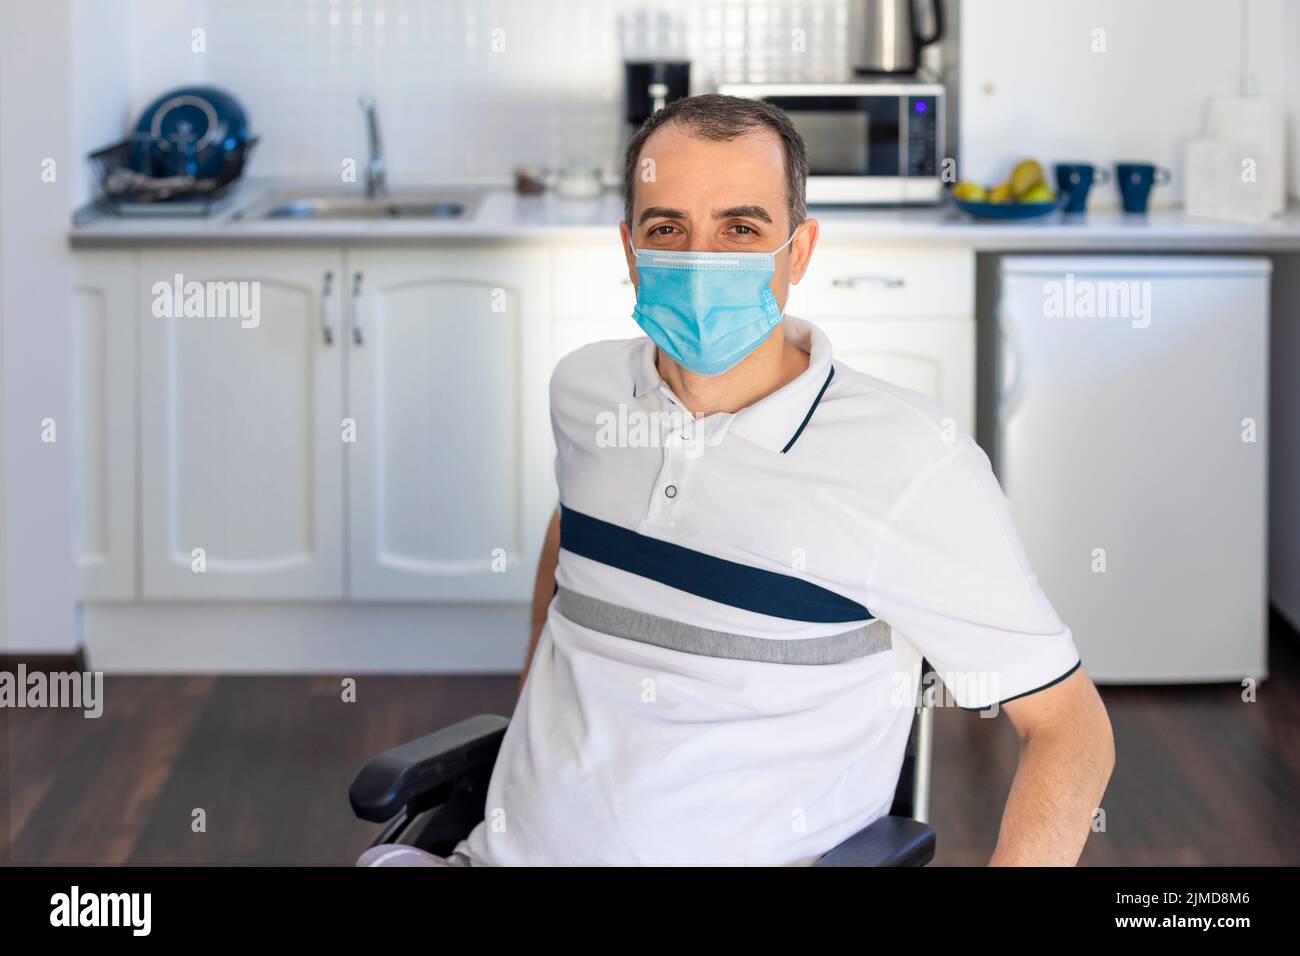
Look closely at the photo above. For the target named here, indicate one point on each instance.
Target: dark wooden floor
(1202, 778)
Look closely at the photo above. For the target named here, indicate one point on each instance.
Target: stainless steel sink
(398, 205)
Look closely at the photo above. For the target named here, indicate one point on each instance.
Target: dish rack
(126, 191)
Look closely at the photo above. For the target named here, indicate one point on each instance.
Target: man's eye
(663, 230)
(743, 229)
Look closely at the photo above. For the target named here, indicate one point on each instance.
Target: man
(733, 601)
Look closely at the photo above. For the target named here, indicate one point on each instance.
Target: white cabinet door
(869, 279)
(241, 405)
(935, 357)
(103, 382)
(449, 487)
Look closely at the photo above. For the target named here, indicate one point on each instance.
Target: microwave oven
(869, 143)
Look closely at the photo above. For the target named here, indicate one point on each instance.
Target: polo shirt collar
(645, 373)
(774, 421)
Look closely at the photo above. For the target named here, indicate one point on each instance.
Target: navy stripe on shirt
(706, 576)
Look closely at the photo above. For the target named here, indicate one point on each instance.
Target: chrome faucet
(376, 178)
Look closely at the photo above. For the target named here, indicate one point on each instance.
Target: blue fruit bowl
(1007, 211)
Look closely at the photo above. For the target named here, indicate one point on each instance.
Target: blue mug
(1075, 179)
(1135, 181)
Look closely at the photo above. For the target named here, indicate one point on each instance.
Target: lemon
(1039, 194)
(970, 192)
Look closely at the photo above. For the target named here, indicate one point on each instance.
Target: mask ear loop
(788, 241)
(774, 253)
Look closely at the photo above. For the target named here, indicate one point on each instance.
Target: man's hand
(1067, 752)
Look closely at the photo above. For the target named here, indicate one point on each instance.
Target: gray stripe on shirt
(607, 618)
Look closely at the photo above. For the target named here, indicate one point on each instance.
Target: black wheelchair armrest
(889, 841)
(401, 777)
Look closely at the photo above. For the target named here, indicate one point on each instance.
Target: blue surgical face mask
(706, 310)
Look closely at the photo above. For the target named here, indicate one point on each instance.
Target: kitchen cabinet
(903, 315)
(241, 459)
(593, 295)
(906, 316)
(572, 332)
(592, 281)
(379, 430)
(449, 476)
(103, 426)
(858, 280)
(933, 356)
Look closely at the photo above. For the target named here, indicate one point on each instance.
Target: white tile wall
(464, 87)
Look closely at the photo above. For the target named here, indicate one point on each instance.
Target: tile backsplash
(464, 87)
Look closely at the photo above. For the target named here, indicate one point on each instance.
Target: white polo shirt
(729, 667)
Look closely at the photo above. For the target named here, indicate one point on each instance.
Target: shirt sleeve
(951, 576)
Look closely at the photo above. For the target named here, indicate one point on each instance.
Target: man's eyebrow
(659, 212)
(743, 212)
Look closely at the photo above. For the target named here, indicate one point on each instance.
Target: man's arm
(1067, 752)
(543, 590)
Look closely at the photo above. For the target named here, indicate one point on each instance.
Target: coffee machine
(650, 85)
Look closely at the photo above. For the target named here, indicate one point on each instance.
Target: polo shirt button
(671, 491)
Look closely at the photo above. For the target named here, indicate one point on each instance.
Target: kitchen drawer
(876, 281)
(591, 280)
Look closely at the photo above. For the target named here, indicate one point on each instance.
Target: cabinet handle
(358, 334)
(848, 282)
(327, 308)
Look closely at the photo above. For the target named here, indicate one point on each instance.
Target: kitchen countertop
(502, 214)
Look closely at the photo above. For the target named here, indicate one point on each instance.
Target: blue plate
(1008, 210)
(189, 130)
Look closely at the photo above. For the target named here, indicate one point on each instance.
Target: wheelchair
(431, 792)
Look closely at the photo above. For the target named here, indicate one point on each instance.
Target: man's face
(707, 196)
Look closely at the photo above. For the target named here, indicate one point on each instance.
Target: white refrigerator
(1131, 439)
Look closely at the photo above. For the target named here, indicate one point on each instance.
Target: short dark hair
(724, 118)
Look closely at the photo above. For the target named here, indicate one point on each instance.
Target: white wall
(450, 105)
(1033, 87)
(161, 46)
(35, 312)
(101, 94)
(1290, 39)
(65, 75)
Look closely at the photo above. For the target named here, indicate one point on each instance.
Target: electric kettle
(883, 36)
